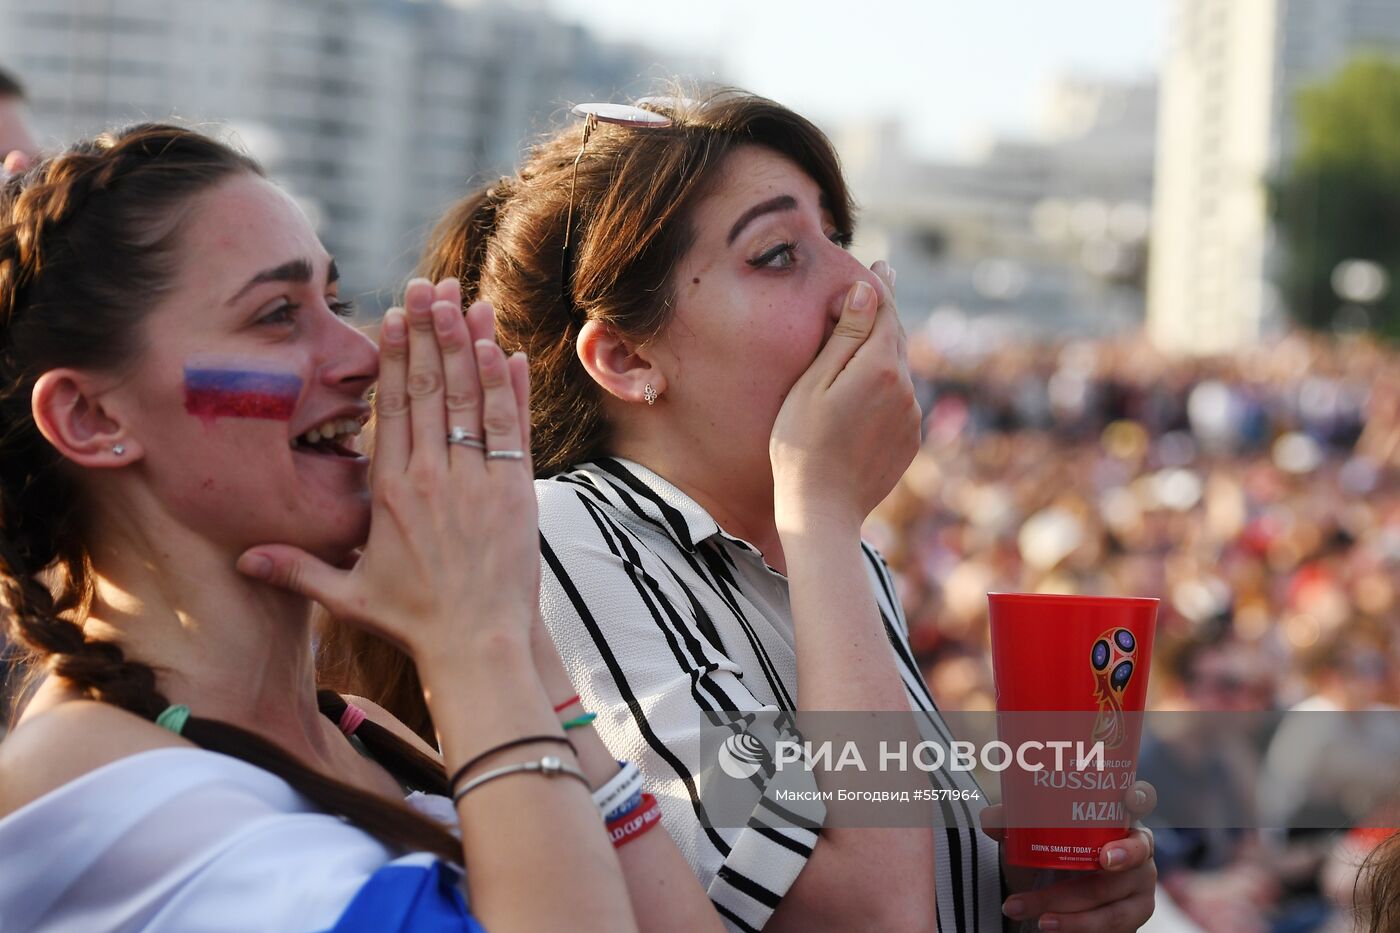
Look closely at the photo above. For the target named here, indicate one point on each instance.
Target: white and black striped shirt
(661, 616)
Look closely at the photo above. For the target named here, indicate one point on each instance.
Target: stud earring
(118, 449)
(649, 393)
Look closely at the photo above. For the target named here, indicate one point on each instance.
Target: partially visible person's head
(17, 144)
(705, 258)
(175, 375)
(167, 330)
(1377, 888)
(1217, 675)
(1350, 667)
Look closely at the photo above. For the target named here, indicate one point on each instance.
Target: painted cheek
(212, 393)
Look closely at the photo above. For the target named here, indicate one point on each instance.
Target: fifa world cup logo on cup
(1113, 658)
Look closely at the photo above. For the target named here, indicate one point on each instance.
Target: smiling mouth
(332, 439)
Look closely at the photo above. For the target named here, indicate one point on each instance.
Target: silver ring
(460, 435)
(505, 455)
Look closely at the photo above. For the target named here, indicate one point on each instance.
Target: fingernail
(256, 566)
(393, 325)
(893, 275)
(1049, 923)
(1014, 908)
(1112, 856)
(442, 316)
(418, 297)
(861, 296)
(485, 350)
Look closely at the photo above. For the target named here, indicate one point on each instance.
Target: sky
(954, 72)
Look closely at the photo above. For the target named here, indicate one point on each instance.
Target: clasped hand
(453, 547)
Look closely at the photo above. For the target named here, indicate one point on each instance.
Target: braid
(353, 661)
(37, 204)
(37, 501)
(391, 822)
(402, 760)
(87, 239)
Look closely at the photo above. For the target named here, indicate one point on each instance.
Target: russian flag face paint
(215, 391)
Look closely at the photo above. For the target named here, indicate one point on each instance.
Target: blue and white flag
(188, 840)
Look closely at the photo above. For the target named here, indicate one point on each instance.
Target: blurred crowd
(1258, 496)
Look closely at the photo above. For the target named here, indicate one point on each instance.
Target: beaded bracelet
(634, 825)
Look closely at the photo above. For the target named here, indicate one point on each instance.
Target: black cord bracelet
(529, 739)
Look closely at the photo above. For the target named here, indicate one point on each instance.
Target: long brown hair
(1376, 894)
(88, 241)
(633, 195)
(633, 199)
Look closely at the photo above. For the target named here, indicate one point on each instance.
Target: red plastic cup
(1069, 669)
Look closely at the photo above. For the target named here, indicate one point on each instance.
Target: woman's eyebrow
(295, 270)
(783, 202)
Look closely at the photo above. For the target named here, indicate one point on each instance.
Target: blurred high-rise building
(375, 114)
(1039, 236)
(1227, 126)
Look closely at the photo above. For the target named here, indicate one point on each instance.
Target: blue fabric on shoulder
(419, 893)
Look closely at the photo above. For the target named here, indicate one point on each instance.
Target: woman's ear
(69, 412)
(621, 369)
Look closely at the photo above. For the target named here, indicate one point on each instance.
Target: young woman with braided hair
(179, 392)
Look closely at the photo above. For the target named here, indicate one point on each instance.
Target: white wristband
(624, 784)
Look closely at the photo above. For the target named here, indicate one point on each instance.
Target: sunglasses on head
(629, 115)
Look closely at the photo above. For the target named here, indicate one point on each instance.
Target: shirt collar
(661, 502)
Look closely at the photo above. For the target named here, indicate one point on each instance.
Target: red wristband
(639, 822)
(567, 703)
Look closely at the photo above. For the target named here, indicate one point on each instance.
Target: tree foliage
(1339, 197)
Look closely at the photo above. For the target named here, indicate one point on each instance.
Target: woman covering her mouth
(180, 392)
(721, 397)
